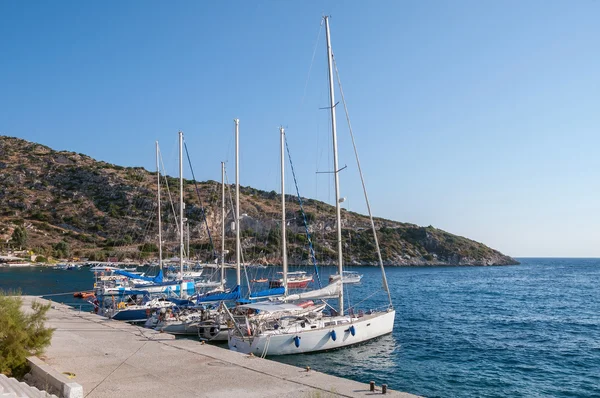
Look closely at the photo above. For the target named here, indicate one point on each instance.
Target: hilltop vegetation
(62, 204)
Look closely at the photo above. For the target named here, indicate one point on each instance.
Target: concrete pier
(114, 359)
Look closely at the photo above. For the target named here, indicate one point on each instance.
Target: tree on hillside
(21, 334)
(19, 237)
(62, 249)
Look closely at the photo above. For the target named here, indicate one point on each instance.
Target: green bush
(19, 236)
(62, 249)
(148, 247)
(21, 334)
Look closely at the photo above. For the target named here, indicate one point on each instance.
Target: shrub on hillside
(21, 334)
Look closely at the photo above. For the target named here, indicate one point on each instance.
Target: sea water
(527, 330)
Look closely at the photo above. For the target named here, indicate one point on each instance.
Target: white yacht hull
(284, 342)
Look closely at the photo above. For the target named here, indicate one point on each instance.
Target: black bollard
(384, 388)
(372, 386)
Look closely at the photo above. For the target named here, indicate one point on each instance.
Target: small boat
(295, 280)
(132, 310)
(348, 277)
(19, 264)
(258, 266)
(102, 268)
(84, 295)
(202, 322)
(68, 266)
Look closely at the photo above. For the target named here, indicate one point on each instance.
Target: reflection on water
(376, 356)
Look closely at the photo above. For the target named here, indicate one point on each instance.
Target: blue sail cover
(220, 296)
(156, 279)
(181, 302)
(276, 291)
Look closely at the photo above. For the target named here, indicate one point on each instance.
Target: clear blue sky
(480, 118)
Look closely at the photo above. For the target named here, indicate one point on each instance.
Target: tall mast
(222, 223)
(335, 163)
(238, 246)
(283, 240)
(159, 218)
(181, 211)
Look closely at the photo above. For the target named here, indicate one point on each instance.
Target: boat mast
(181, 211)
(222, 223)
(283, 240)
(159, 219)
(335, 163)
(238, 246)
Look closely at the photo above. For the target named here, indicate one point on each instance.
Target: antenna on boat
(238, 246)
(283, 241)
(335, 162)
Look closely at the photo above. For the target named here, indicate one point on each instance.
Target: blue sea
(527, 330)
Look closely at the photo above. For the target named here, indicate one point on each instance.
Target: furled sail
(276, 291)
(330, 291)
(155, 279)
(220, 296)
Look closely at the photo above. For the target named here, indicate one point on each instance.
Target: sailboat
(348, 277)
(283, 328)
(132, 309)
(204, 318)
(134, 282)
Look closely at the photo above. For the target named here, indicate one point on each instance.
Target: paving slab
(111, 358)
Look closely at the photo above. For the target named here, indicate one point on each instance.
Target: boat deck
(111, 358)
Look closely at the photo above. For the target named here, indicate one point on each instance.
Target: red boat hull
(301, 284)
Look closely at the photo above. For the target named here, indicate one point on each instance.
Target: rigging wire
(168, 191)
(133, 226)
(310, 244)
(312, 62)
(362, 180)
(200, 200)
